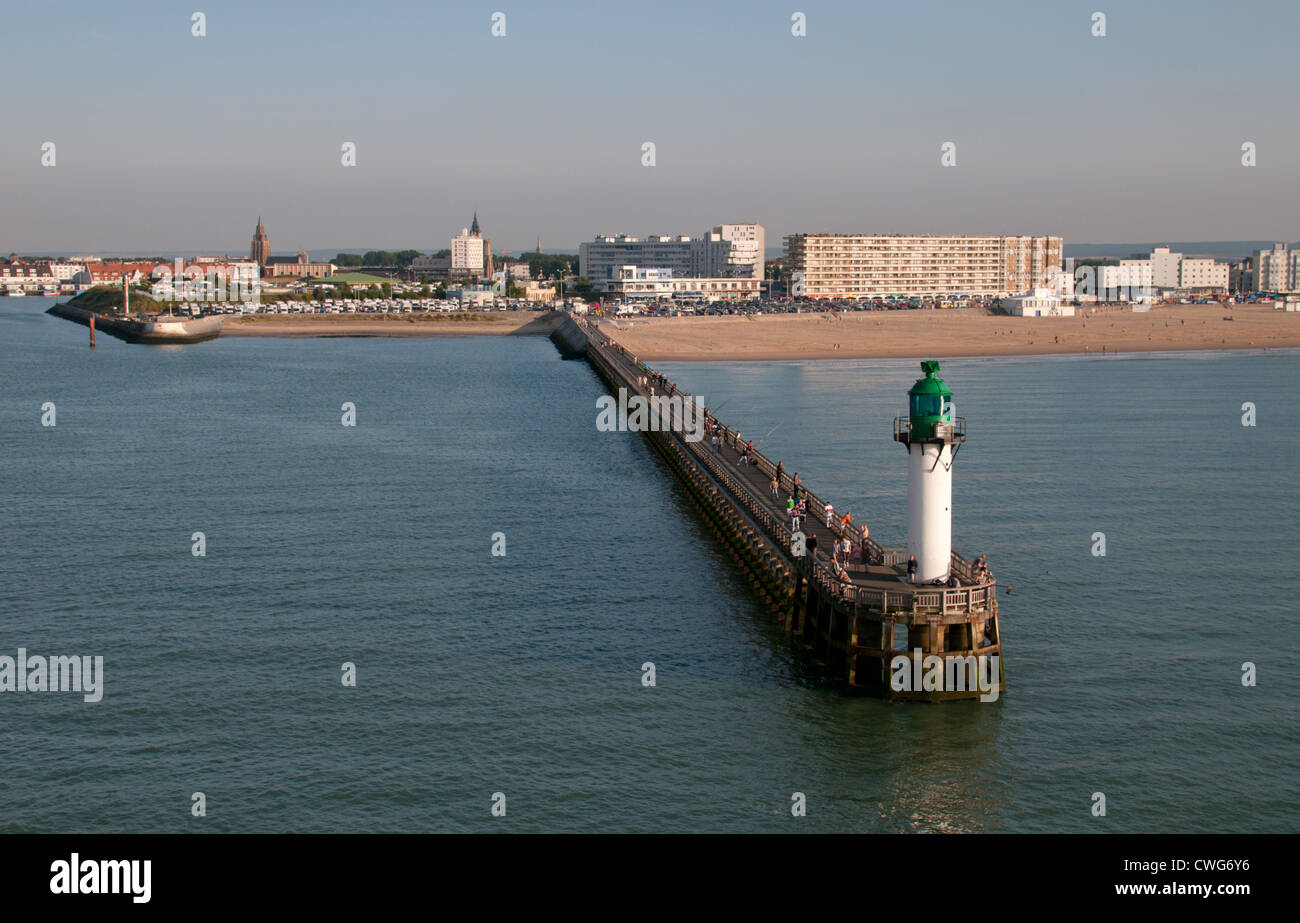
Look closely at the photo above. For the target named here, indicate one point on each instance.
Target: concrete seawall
(569, 338)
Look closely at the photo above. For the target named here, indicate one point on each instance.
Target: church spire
(473, 228)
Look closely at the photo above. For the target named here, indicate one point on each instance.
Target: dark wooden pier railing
(857, 648)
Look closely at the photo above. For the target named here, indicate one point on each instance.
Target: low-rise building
(1041, 302)
(660, 282)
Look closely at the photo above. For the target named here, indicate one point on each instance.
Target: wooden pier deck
(853, 628)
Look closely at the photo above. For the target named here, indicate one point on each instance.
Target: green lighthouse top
(928, 402)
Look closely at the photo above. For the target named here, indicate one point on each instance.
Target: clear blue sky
(170, 142)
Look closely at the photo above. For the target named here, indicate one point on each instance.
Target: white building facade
(1164, 267)
(732, 251)
(1276, 270)
(467, 254)
(1202, 274)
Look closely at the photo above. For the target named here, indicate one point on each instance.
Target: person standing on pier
(811, 545)
(794, 485)
(780, 470)
(911, 568)
(830, 515)
(845, 522)
(775, 487)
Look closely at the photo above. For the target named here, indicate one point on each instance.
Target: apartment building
(732, 251)
(882, 265)
(1277, 270)
(1202, 274)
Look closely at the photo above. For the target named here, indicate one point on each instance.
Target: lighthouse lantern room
(932, 435)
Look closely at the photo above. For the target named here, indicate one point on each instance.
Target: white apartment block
(730, 251)
(635, 282)
(1173, 270)
(1164, 267)
(725, 251)
(882, 265)
(1203, 274)
(1276, 270)
(467, 254)
(1126, 281)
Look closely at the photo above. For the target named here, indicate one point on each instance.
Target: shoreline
(303, 326)
(954, 333)
(938, 334)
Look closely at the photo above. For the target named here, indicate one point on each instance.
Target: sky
(166, 141)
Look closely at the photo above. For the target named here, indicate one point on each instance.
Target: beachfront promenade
(854, 622)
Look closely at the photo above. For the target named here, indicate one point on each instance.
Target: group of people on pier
(843, 533)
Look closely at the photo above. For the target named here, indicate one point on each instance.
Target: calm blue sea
(521, 674)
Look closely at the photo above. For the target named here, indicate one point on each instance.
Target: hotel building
(1276, 270)
(726, 251)
(471, 253)
(882, 265)
(633, 282)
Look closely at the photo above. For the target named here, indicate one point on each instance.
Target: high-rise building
(1164, 267)
(1275, 270)
(881, 265)
(727, 251)
(260, 251)
(469, 254)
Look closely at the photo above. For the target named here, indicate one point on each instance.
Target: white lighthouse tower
(932, 436)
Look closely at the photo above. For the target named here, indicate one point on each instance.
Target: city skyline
(161, 137)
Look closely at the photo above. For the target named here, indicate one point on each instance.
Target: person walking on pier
(830, 515)
(780, 470)
(775, 488)
(744, 456)
(795, 516)
(911, 568)
(811, 545)
(794, 485)
(749, 450)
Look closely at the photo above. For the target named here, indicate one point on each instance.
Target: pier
(855, 626)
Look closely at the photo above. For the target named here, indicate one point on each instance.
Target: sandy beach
(388, 325)
(937, 334)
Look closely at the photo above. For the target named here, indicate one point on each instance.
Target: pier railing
(907, 600)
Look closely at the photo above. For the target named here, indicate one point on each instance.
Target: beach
(954, 332)
(389, 325)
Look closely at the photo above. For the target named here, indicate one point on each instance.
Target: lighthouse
(932, 436)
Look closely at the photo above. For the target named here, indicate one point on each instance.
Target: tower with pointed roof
(260, 251)
(473, 228)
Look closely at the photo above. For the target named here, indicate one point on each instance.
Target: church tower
(260, 251)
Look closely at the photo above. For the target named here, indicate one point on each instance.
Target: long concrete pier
(861, 625)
